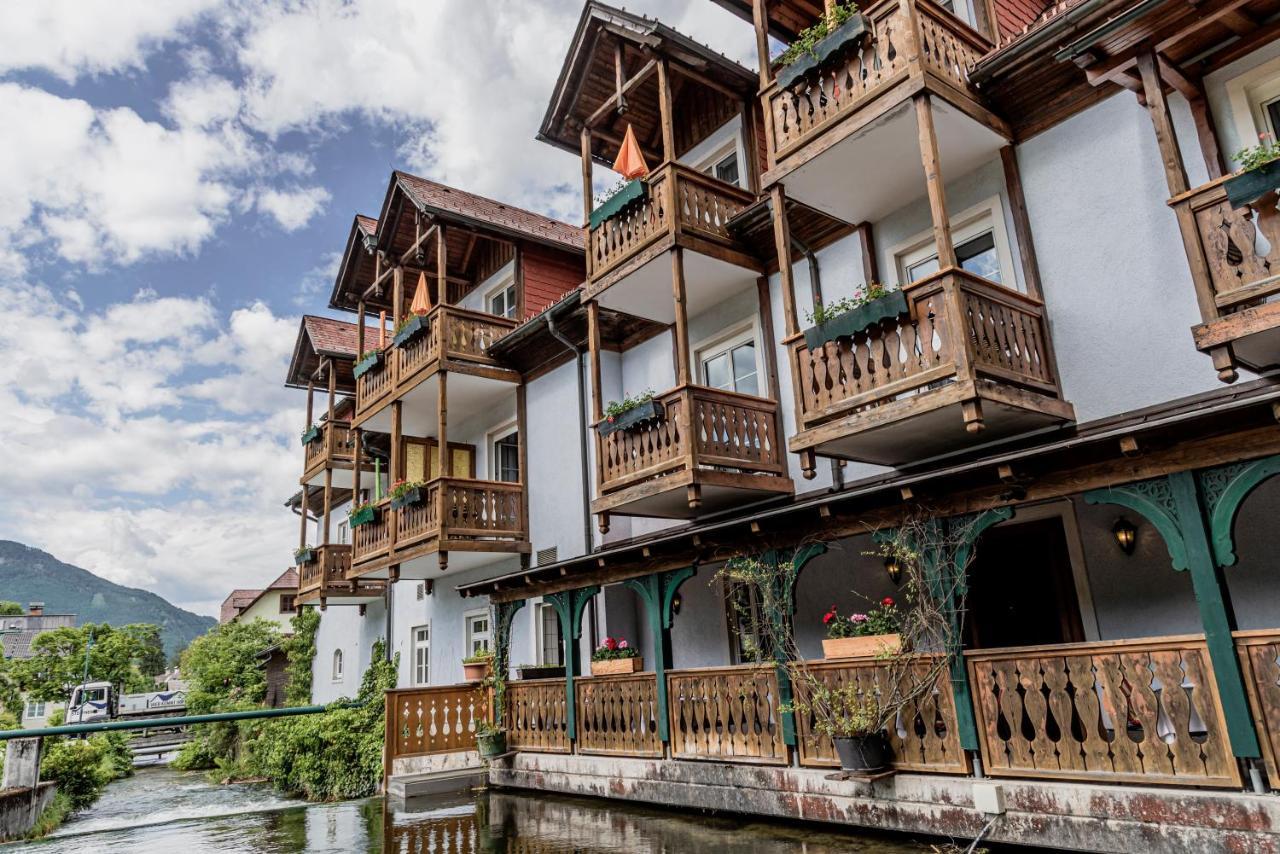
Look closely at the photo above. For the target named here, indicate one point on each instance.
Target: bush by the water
(82, 768)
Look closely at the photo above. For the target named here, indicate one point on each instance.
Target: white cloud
(292, 209)
(72, 37)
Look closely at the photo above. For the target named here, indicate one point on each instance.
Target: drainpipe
(580, 357)
(815, 291)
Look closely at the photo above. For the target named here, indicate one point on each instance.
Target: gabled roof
(320, 338)
(237, 601)
(356, 270)
(242, 600)
(17, 644)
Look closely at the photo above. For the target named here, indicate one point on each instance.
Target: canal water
(161, 811)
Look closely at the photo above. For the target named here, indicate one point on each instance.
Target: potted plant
(615, 657)
(369, 360)
(362, 514)
(855, 719)
(475, 668)
(406, 492)
(844, 318)
(310, 434)
(874, 633)
(616, 199)
(491, 740)
(631, 412)
(540, 671)
(1259, 172)
(411, 327)
(304, 555)
(837, 30)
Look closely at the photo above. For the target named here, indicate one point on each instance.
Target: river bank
(160, 810)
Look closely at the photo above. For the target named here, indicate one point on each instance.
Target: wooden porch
(448, 338)
(970, 362)
(327, 579)
(473, 520)
(710, 450)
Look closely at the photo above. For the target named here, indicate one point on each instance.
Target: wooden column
(1207, 133)
(1158, 107)
(397, 427)
(360, 343)
(442, 266)
(397, 295)
(684, 374)
(588, 195)
(333, 394)
(593, 346)
(311, 404)
(665, 112)
(442, 424)
(782, 245)
(933, 182)
(658, 592)
(328, 506)
(760, 20)
(357, 448)
(302, 532)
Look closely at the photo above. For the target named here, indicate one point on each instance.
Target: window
(336, 675)
(720, 154)
(731, 364)
(502, 301)
(506, 458)
(749, 637)
(478, 633)
(726, 169)
(981, 246)
(422, 655)
(35, 709)
(344, 533)
(550, 644)
(1255, 102)
(288, 603)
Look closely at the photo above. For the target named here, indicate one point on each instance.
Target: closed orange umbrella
(630, 163)
(421, 298)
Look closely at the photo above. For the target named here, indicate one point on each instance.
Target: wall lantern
(676, 601)
(1126, 535)
(894, 569)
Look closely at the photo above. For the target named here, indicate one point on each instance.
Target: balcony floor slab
(666, 497)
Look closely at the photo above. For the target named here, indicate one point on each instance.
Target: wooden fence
(537, 717)
(726, 714)
(443, 719)
(618, 715)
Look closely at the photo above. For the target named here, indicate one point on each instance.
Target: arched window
(337, 665)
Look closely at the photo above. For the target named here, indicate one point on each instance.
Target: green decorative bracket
(1173, 504)
(658, 593)
(501, 615)
(569, 605)
(1225, 489)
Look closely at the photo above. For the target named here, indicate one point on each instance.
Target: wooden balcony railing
(335, 446)
(959, 327)
(1235, 259)
(853, 82)
(702, 427)
(372, 540)
(680, 202)
(1142, 711)
(331, 566)
(926, 736)
(443, 719)
(1259, 653)
(451, 333)
(730, 714)
(537, 716)
(455, 508)
(618, 715)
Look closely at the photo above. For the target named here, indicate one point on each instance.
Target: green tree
(10, 609)
(150, 657)
(300, 651)
(57, 662)
(222, 667)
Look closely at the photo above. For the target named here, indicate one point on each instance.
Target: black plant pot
(862, 754)
(541, 672)
(855, 320)
(1247, 187)
(650, 410)
(849, 34)
(413, 496)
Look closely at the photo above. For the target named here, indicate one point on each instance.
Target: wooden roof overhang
(535, 347)
(617, 52)
(356, 271)
(786, 17)
(810, 229)
(306, 363)
(1214, 428)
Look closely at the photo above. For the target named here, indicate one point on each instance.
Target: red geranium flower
(828, 617)
(610, 644)
(887, 601)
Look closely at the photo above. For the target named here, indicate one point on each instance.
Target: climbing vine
(300, 652)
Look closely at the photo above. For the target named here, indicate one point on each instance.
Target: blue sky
(176, 183)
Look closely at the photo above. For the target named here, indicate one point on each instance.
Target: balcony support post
(683, 373)
(597, 400)
(311, 404)
(333, 395)
(442, 274)
(397, 292)
(522, 453)
(328, 505)
(933, 182)
(658, 593)
(1166, 137)
(569, 605)
(397, 454)
(664, 108)
(760, 19)
(360, 329)
(357, 447)
(442, 425)
(782, 245)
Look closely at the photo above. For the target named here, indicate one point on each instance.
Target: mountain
(30, 575)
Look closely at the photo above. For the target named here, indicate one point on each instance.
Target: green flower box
(615, 204)
(848, 324)
(848, 35)
(363, 516)
(1247, 187)
(313, 433)
(412, 328)
(368, 363)
(650, 410)
(304, 556)
(411, 497)
(492, 744)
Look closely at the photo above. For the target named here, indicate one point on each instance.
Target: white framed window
(722, 154)
(550, 646)
(501, 300)
(35, 709)
(479, 631)
(344, 532)
(504, 454)
(1254, 97)
(981, 245)
(422, 655)
(336, 674)
(731, 363)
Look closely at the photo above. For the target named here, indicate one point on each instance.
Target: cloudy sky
(176, 183)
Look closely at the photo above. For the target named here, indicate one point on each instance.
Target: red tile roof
(235, 603)
(336, 337)
(288, 580)
(452, 200)
(367, 224)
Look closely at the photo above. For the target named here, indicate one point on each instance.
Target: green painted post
(569, 605)
(784, 593)
(503, 613)
(658, 592)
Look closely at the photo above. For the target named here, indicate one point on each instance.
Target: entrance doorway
(1021, 590)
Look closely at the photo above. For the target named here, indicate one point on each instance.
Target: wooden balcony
(327, 580)
(681, 208)
(711, 450)
(333, 448)
(459, 522)
(452, 339)
(970, 363)
(819, 129)
(1234, 255)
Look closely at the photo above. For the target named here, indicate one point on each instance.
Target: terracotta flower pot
(866, 646)
(617, 666)
(475, 672)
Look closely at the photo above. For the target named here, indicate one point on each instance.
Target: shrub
(300, 652)
(82, 768)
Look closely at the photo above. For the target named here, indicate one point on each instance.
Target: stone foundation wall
(1061, 816)
(19, 809)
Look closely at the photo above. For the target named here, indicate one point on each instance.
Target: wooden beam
(624, 89)
(867, 247)
(933, 182)
(588, 189)
(667, 121)
(1021, 221)
(760, 20)
(782, 245)
(1166, 138)
(593, 345)
(1175, 76)
(442, 269)
(1239, 21)
(681, 331)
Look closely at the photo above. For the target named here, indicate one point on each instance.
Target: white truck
(98, 701)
